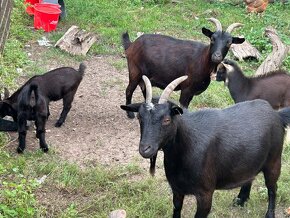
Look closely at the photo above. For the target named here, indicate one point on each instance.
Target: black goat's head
(220, 41)
(156, 120)
(6, 108)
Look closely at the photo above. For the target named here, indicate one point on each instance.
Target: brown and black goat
(60, 83)
(272, 87)
(32, 105)
(163, 58)
(213, 148)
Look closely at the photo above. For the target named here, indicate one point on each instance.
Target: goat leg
(40, 132)
(21, 132)
(244, 195)
(67, 102)
(177, 204)
(204, 201)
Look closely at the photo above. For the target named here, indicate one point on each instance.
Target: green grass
(93, 192)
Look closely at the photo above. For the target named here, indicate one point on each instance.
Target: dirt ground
(96, 130)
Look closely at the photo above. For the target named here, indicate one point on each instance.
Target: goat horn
(148, 87)
(170, 88)
(217, 23)
(233, 26)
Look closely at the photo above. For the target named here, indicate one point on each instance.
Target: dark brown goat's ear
(237, 40)
(131, 107)
(207, 32)
(176, 110)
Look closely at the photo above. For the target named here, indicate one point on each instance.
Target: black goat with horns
(163, 59)
(212, 148)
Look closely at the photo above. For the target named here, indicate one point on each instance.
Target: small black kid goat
(60, 83)
(212, 148)
(31, 106)
(163, 59)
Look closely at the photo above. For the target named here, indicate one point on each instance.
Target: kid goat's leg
(40, 131)
(22, 121)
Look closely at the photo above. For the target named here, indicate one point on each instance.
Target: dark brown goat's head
(156, 120)
(220, 41)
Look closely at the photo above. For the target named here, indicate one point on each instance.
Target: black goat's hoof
(238, 202)
(45, 149)
(20, 150)
(130, 115)
(58, 124)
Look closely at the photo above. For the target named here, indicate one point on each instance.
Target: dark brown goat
(213, 149)
(272, 87)
(60, 83)
(163, 59)
(31, 107)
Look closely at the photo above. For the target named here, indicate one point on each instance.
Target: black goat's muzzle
(147, 151)
(217, 57)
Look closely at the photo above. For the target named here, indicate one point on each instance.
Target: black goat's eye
(229, 44)
(138, 116)
(212, 39)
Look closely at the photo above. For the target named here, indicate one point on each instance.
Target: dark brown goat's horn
(217, 23)
(170, 88)
(233, 26)
(148, 87)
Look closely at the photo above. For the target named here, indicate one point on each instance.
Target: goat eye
(166, 121)
(138, 116)
(212, 40)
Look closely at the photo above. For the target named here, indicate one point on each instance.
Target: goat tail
(33, 87)
(126, 40)
(285, 116)
(82, 68)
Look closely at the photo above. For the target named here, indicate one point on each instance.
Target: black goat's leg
(244, 194)
(22, 122)
(186, 96)
(177, 204)
(271, 175)
(204, 201)
(40, 132)
(67, 102)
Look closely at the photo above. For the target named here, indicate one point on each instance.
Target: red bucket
(29, 6)
(46, 17)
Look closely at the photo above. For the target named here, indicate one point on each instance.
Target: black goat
(7, 125)
(213, 148)
(31, 108)
(163, 59)
(272, 87)
(60, 83)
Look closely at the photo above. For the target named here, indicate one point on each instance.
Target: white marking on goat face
(150, 106)
(229, 68)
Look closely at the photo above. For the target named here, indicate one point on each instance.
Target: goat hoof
(20, 150)
(58, 124)
(130, 115)
(45, 149)
(239, 202)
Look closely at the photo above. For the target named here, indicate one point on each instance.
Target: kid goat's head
(221, 41)
(157, 124)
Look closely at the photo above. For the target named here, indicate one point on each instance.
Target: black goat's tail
(285, 116)
(33, 87)
(126, 40)
(82, 68)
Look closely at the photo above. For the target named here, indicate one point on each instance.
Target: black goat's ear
(6, 93)
(176, 110)
(237, 40)
(207, 32)
(131, 107)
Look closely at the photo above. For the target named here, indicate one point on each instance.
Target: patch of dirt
(96, 130)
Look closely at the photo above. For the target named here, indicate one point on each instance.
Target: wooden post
(5, 11)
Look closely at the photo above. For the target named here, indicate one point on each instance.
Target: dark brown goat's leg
(22, 122)
(204, 202)
(271, 175)
(40, 132)
(244, 194)
(177, 204)
(67, 102)
(185, 97)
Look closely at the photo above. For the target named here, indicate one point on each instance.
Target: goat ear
(207, 32)
(131, 107)
(176, 110)
(237, 40)
(6, 93)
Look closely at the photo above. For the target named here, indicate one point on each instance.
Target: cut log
(118, 214)
(279, 53)
(245, 51)
(76, 41)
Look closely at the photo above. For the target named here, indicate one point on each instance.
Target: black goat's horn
(217, 23)
(148, 87)
(233, 26)
(170, 88)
